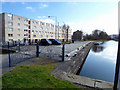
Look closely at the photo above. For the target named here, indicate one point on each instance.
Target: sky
(85, 16)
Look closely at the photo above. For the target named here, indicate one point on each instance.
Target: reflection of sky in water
(101, 65)
(109, 52)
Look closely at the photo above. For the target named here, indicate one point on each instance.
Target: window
(41, 36)
(34, 35)
(10, 35)
(18, 29)
(36, 22)
(25, 30)
(35, 30)
(18, 24)
(33, 21)
(32, 30)
(18, 34)
(10, 40)
(10, 16)
(39, 31)
(26, 34)
(46, 28)
(41, 28)
(10, 29)
(42, 23)
(18, 18)
(46, 35)
(25, 25)
(34, 27)
(26, 20)
(10, 23)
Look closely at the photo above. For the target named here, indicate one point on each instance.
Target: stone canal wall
(73, 65)
(75, 62)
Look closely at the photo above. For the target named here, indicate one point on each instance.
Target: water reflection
(100, 62)
(97, 48)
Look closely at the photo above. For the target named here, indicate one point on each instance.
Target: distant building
(114, 36)
(77, 35)
(16, 28)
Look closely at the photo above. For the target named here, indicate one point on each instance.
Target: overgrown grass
(34, 76)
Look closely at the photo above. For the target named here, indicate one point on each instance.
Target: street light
(55, 24)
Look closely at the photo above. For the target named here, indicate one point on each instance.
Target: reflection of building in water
(97, 48)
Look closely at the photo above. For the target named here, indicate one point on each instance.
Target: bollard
(19, 47)
(9, 55)
(37, 50)
(63, 52)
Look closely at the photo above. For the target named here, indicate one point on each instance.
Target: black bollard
(9, 54)
(19, 47)
(63, 52)
(37, 50)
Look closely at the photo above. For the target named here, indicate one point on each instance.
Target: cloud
(30, 8)
(0, 10)
(43, 5)
(108, 22)
(39, 17)
(70, 23)
(110, 58)
(47, 21)
(23, 3)
(97, 54)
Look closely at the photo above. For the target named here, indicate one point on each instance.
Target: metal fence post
(63, 52)
(37, 50)
(9, 54)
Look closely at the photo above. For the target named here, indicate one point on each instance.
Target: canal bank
(68, 70)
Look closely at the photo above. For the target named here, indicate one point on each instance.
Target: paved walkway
(27, 52)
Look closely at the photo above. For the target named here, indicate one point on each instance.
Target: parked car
(22, 43)
(55, 41)
(4, 44)
(45, 42)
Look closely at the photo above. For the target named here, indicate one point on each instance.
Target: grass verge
(66, 42)
(34, 76)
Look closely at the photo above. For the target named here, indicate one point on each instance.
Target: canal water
(101, 62)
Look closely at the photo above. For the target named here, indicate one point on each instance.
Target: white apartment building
(14, 28)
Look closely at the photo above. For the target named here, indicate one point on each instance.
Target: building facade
(17, 28)
(77, 35)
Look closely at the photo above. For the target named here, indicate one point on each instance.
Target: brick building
(77, 35)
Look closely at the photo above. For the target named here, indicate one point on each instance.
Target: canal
(101, 61)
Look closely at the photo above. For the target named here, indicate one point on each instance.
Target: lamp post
(58, 30)
(55, 24)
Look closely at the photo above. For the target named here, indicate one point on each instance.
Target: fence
(30, 51)
(55, 52)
